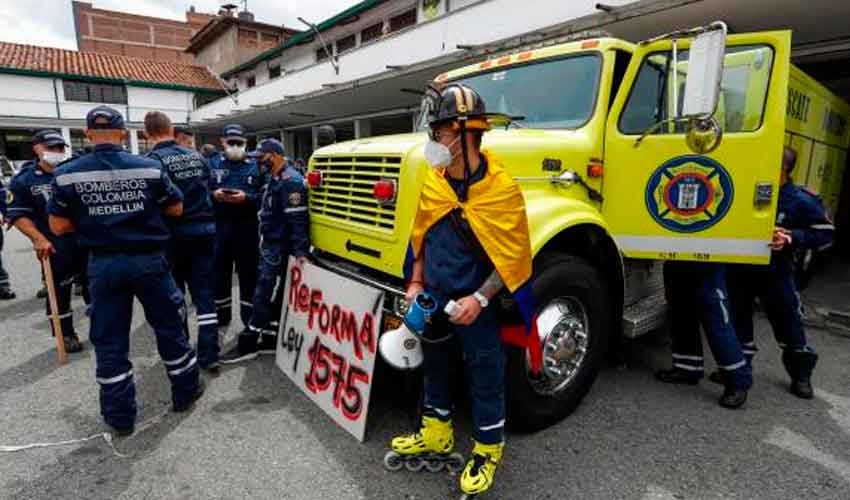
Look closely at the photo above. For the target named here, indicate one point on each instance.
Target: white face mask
(439, 155)
(234, 153)
(52, 158)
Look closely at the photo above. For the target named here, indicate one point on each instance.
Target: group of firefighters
(152, 226)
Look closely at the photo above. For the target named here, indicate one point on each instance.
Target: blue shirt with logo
(802, 212)
(30, 192)
(190, 172)
(114, 199)
(243, 175)
(283, 216)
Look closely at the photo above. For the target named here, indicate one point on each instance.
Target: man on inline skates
(469, 240)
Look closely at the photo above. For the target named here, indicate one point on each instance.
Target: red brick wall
(124, 34)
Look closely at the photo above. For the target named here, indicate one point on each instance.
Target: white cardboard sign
(328, 341)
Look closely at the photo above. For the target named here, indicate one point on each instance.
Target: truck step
(645, 315)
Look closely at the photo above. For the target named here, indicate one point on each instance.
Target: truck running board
(645, 315)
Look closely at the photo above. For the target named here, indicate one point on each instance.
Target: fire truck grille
(346, 192)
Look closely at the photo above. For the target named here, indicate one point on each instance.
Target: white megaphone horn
(402, 348)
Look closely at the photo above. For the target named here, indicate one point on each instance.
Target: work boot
(268, 344)
(186, 405)
(733, 397)
(678, 376)
(716, 377)
(212, 369)
(802, 389)
(123, 431)
(245, 349)
(72, 343)
(41, 294)
(7, 293)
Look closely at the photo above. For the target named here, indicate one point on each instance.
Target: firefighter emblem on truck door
(689, 193)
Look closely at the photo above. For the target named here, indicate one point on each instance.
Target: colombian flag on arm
(495, 211)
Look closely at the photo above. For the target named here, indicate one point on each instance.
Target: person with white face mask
(469, 241)
(236, 185)
(29, 194)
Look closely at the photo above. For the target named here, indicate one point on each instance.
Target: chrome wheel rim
(564, 332)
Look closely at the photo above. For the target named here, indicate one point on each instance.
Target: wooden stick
(54, 310)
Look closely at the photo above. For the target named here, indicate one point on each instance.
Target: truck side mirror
(705, 72)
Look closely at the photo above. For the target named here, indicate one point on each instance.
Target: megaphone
(402, 347)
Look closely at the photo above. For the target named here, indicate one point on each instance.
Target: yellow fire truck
(628, 155)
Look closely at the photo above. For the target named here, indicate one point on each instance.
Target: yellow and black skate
(430, 448)
(480, 471)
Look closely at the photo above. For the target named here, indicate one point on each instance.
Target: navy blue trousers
(268, 295)
(68, 263)
(484, 358)
(237, 242)
(697, 296)
(774, 286)
(192, 260)
(4, 276)
(115, 280)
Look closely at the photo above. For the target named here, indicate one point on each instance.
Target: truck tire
(568, 288)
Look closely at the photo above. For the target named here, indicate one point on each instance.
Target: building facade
(44, 87)
(231, 39)
(122, 34)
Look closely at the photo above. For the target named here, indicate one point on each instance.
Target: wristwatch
(481, 299)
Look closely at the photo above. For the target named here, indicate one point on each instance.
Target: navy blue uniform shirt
(243, 175)
(190, 172)
(3, 196)
(802, 212)
(283, 216)
(452, 269)
(114, 200)
(30, 192)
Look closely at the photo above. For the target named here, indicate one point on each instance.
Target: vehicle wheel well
(593, 244)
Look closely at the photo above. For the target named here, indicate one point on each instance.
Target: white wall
(504, 18)
(176, 104)
(27, 96)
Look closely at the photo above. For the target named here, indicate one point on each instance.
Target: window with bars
(251, 81)
(95, 92)
(403, 20)
(274, 71)
(346, 43)
(372, 33)
(321, 54)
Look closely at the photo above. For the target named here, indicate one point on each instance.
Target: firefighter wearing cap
(115, 203)
(29, 194)
(454, 240)
(236, 186)
(801, 223)
(192, 247)
(184, 136)
(284, 231)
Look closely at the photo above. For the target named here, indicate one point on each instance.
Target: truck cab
(616, 177)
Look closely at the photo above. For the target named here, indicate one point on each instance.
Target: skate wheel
(455, 463)
(414, 464)
(434, 465)
(393, 461)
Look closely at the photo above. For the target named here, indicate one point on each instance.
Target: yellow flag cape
(495, 210)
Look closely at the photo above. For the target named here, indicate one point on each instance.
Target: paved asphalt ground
(253, 435)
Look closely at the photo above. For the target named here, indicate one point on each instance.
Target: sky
(50, 22)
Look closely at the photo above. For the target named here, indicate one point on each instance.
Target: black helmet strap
(464, 151)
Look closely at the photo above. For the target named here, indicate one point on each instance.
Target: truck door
(663, 201)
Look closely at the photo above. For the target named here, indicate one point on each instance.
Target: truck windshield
(554, 93)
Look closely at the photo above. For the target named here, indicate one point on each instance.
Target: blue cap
(234, 130)
(104, 118)
(268, 146)
(49, 138)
